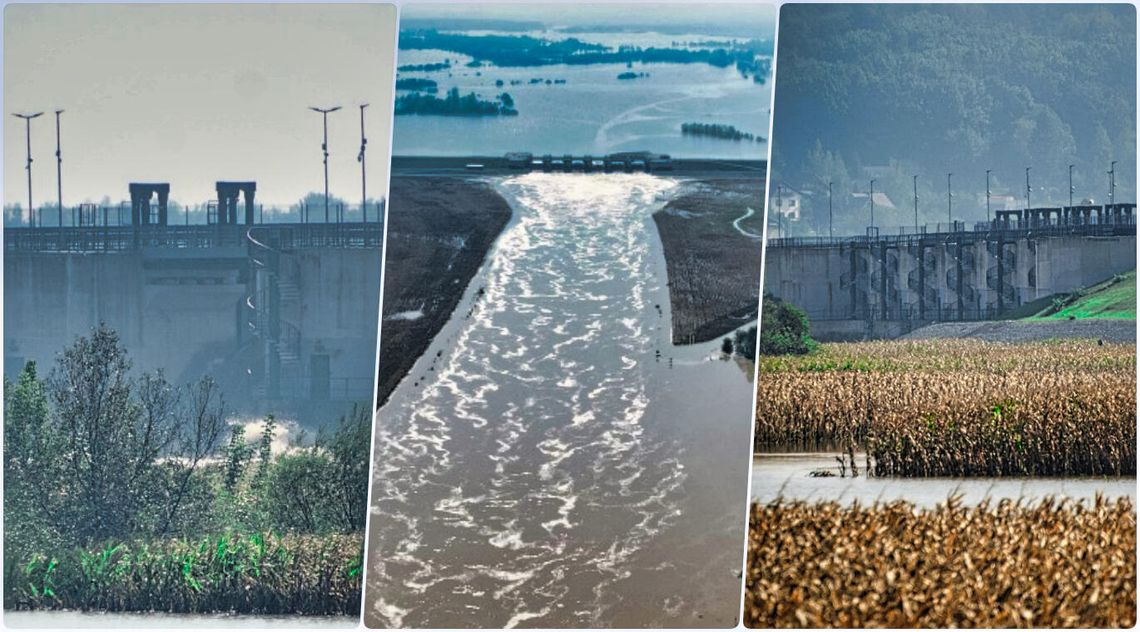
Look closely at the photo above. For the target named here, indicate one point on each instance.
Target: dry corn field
(1052, 564)
(957, 407)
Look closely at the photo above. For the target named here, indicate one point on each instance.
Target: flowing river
(552, 460)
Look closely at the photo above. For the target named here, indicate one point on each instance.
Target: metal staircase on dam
(270, 288)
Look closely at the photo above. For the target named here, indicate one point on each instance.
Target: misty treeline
(892, 91)
(94, 453)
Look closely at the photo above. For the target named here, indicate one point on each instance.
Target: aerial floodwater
(589, 110)
(553, 460)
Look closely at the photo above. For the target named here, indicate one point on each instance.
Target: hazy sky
(194, 93)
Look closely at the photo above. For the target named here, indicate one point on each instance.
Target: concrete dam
(282, 315)
(869, 287)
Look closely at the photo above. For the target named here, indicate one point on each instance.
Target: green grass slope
(1113, 298)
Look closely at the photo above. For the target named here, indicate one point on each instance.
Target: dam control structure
(280, 311)
(882, 286)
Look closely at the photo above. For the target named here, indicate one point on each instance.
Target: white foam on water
(521, 464)
(393, 615)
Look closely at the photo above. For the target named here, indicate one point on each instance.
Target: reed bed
(957, 407)
(254, 574)
(1009, 564)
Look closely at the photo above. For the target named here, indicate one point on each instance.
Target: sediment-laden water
(552, 460)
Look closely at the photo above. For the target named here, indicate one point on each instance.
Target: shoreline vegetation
(712, 268)
(261, 573)
(752, 58)
(1054, 563)
(717, 130)
(455, 105)
(112, 478)
(957, 407)
(440, 230)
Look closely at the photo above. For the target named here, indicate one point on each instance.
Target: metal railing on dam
(984, 231)
(292, 236)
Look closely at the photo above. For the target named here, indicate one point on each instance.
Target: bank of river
(788, 475)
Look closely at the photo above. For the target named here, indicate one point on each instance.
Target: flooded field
(552, 459)
(789, 476)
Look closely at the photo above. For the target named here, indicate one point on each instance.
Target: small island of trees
(718, 130)
(445, 65)
(455, 105)
(417, 84)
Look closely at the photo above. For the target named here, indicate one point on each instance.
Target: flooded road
(553, 460)
(788, 475)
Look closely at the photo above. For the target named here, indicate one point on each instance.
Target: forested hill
(944, 88)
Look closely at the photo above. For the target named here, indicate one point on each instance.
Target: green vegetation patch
(111, 477)
(261, 573)
(1114, 298)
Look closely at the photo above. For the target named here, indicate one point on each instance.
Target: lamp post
(1071, 185)
(949, 204)
(363, 176)
(1028, 189)
(872, 205)
(830, 214)
(780, 209)
(324, 112)
(1112, 182)
(915, 178)
(989, 215)
(58, 169)
(28, 166)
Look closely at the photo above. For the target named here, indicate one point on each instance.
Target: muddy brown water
(553, 460)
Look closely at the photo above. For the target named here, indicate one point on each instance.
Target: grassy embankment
(1112, 298)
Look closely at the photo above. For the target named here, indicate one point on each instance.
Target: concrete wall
(966, 277)
(181, 309)
(337, 309)
(166, 311)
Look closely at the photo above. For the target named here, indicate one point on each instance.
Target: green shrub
(784, 329)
